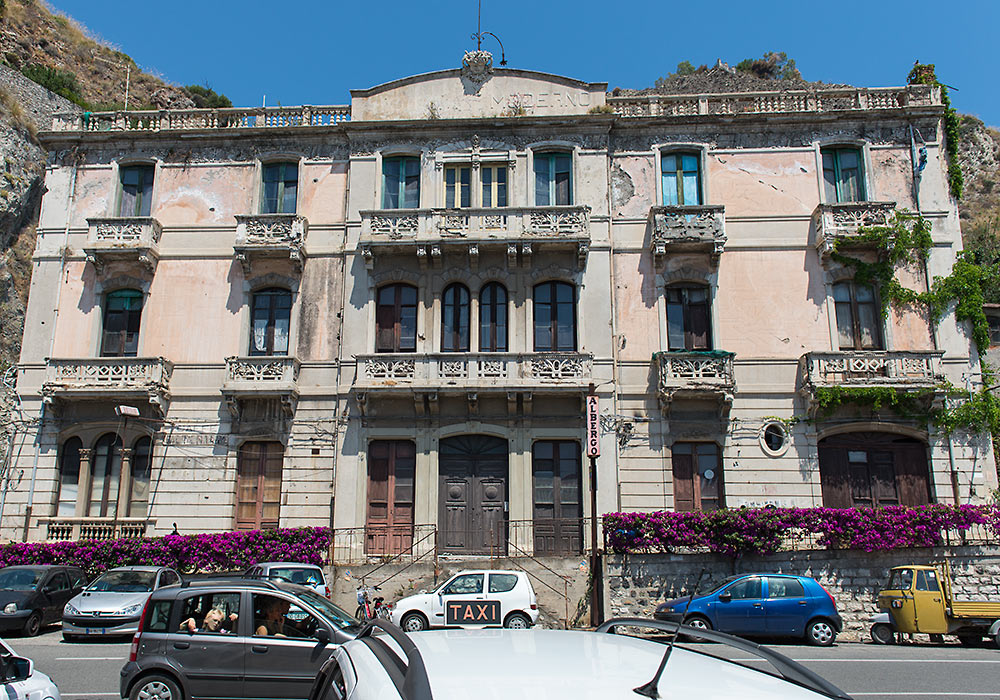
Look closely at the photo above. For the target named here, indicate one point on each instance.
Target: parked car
(471, 599)
(32, 596)
(223, 638)
(772, 605)
(112, 604)
(553, 664)
(20, 679)
(308, 575)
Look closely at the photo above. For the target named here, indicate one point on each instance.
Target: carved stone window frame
(544, 147)
(103, 287)
(398, 276)
(686, 274)
(275, 158)
(474, 282)
(866, 164)
(674, 147)
(404, 150)
(470, 153)
(139, 158)
(259, 283)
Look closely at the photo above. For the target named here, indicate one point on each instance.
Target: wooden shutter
(683, 462)
(912, 474)
(834, 476)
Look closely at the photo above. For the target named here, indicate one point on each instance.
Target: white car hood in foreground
(36, 686)
(556, 665)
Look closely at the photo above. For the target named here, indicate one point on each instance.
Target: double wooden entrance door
(472, 494)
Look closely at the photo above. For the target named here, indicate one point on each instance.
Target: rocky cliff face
(979, 154)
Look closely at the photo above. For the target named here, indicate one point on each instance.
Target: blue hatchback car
(766, 605)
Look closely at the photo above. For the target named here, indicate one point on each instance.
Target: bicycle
(369, 606)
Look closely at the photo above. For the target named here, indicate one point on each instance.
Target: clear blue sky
(314, 51)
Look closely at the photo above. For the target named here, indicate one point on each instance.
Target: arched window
(105, 474)
(858, 317)
(396, 319)
(455, 318)
(122, 314)
(688, 318)
(553, 179)
(493, 318)
(555, 317)
(69, 477)
(681, 178)
(142, 463)
(271, 317)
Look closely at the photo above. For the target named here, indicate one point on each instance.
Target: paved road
(89, 670)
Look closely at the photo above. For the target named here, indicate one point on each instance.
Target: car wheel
(517, 621)
(698, 622)
(970, 640)
(155, 688)
(413, 622)
(820, 633)
(32, 625)
(996, 638)
(883, 634)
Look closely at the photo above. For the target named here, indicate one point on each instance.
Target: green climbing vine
(923, 74)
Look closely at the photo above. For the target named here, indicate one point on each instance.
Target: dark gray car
(32, 596)
(233, 638)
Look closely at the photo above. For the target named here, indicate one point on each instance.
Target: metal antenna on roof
(478, 36)
(650, 689)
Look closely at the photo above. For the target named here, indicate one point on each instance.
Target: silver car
(112, 604)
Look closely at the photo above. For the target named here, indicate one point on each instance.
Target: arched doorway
(472, 477)
(871, 469)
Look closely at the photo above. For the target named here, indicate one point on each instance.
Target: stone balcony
(130, 239)
(428, 232)
(687, 229)
(843, 222)
(62, 529)
(110, 379)
(254, 378)
(473, 373)
(695, 374)
(902, 370)
(277, 236)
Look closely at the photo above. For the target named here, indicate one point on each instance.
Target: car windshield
(301, 576)
(900, 580)
(124, 582)
(334, 615)
(19, 579)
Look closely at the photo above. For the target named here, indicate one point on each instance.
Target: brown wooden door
(558, 512)
(258, 485)
(472, 498)
(391, 468)
(873, 469)
(698, 483)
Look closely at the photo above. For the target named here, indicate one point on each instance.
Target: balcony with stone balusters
(697, 375)
(123, 239)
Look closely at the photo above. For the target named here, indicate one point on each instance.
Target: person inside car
(215, 621)
(271, 621)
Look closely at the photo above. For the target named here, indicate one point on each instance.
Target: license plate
(95, 630)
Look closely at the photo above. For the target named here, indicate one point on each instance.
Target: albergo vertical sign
(593, 427)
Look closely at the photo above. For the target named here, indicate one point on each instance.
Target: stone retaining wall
(635, 584)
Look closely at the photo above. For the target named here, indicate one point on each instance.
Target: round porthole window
(774, 439)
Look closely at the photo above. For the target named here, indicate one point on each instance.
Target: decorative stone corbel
(526, 254)
(582, 250)
(527, 402)
(244, 260)
(474, 257)
(511, 255)
(436, 256)
(473, 399)
(233, 404)
(98, 264)
(368, 255)
(422, 257)
(362, 400)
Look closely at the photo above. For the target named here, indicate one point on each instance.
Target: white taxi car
(481, 598)
(384, 663)
(19, 679)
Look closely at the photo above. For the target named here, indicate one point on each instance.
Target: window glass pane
(469, 583)
(867, 321)
(542, 181)
(848, 160)
(288, 201)
(141, 464)
(864, 293)
(563, 188)
(408, 328)
(449, 188)
(690, 186)
(842, 292)
(675, 326)
(829, 178)
(501, 583)
(845, 326)
(408, 295)
(748, 588)
(501, 186)
(466, 183)
(390, 183)
(69, 477)
(784, 588)
(689, 163)
(280, 335)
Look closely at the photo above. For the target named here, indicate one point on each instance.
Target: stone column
(124, 483)
(83, 483)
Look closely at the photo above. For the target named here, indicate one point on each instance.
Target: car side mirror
(725, 597)
(322, 635)
(16, 668)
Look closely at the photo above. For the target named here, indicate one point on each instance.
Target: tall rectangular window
(401, 182)
(396, 319)
(271, 319)
(281, 181)
(858, 317)
(843, 175)
(553, 179)
(494, 181)
(137, 190)
(688, 324)
(457, 186)
(555, 317)
(122, 313)
(697, 476)
(493, 318)
(681, 179)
